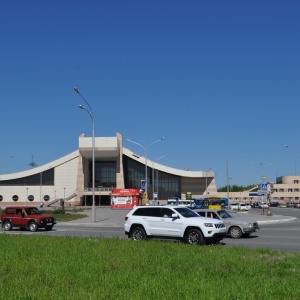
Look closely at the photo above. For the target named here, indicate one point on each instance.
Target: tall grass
(35, 267)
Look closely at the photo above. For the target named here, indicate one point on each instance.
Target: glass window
(134, 172)
(201, 213)
(186, 212)
(105, 173)
(148, 212)
(10, 211)
(44, 178)
(167, 213)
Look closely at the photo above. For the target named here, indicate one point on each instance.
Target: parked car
(234, 206)
(236, 227)
(274, 204)
(26, 217)
(290, 204)
(263, 205)
(254, 205)
(172, 222)
(243, 207)
(297, 205)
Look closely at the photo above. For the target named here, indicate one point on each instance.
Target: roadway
(280, 231)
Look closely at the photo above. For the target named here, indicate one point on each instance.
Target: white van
(173, 200)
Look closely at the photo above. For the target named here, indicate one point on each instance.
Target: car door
(153, 220)
(160, 222)
(18, 217)
(170, 226)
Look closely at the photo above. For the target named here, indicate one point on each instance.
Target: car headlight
(208, 225)
(250, 224)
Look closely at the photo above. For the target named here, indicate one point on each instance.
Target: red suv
(26, 217)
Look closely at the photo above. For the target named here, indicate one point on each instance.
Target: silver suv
(236, 227)
(172, 222)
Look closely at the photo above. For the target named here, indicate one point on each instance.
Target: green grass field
(43, 267)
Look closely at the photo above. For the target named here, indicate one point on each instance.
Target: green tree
(236, 188)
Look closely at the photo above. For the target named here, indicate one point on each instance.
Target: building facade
(69, 178)
(285, 189)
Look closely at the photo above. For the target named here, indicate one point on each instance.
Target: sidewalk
(106, 217)
(264, 218)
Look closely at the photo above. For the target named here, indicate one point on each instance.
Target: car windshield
(186, 212)
(32, 211)
(224, 214)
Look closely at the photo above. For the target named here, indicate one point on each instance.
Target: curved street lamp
(263, 166)
(297, 152)
(145, 150)
(153, 175)
(91, 113)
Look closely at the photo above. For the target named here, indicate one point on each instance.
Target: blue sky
(218, 79)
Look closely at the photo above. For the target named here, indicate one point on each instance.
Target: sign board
(188, 196)
(264, 186)
(261, 192)
(143, 185)
(253, 193)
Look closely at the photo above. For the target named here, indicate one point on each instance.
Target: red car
(26, 217)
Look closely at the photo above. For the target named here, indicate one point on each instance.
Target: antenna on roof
(32, 164)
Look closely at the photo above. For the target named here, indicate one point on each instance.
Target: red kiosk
(124, 198)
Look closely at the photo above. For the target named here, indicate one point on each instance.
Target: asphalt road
(284, 236)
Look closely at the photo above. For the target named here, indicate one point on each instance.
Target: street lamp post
(228, 200)
(145, 150)
(153, 179)
(91, 113)
(296, 151)
(264, 178)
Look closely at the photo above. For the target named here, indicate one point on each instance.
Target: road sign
(261, 192)
(143, 185)
(264, 186)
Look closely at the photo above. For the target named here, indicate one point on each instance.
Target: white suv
(175, 222)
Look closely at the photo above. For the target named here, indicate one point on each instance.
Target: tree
(236, 188)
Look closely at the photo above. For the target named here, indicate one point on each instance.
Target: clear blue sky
(218, 79)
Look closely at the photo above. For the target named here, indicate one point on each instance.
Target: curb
(290, 219)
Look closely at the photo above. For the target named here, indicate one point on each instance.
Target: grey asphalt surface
(107, 217)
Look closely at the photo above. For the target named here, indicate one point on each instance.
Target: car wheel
(138, 234)
(7, 226)
(33, 226)
(235, 232)
(194, 237)
(48, 228)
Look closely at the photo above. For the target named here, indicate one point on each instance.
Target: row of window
(43, 178)
(30, 198)
(282, 190)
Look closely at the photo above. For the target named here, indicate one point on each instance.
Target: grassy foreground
(36, 267)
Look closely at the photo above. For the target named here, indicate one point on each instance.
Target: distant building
(285, 189)
(69, 178)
